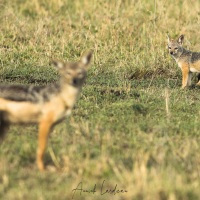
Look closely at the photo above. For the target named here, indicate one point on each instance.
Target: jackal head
(74, 73)
(175, 46)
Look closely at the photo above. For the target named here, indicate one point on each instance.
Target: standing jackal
(43, 105)
(187, 60)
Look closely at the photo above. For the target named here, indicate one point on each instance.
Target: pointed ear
(168, 38)
(180, 39)
(58, 64)
(85, 60)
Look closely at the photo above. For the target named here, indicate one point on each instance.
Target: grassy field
(134, 134)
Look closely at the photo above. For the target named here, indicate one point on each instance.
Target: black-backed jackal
(187, 60)
(43, 105)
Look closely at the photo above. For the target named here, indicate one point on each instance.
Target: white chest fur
(69, 95)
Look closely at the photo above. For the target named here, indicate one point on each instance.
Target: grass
(121, 130)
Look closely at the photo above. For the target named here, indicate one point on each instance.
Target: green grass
(120, 130)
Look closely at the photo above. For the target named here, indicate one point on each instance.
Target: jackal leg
(4, 125)
(44, 130)
(189, 82)
(185, 74)
(198, 77)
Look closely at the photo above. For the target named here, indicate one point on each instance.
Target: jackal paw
(40, 165)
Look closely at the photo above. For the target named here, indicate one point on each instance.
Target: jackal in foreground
(43, 105)
(187, 60)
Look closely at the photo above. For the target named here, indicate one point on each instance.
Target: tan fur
(45, 112)
(196, 66)
(185, 73)
(29, 112)
(188, 61)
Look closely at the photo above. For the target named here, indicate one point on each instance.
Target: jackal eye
(169, 47)
(68, 73)
(176, 48)
(80, 75)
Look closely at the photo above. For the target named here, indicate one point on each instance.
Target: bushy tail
(4, 125)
